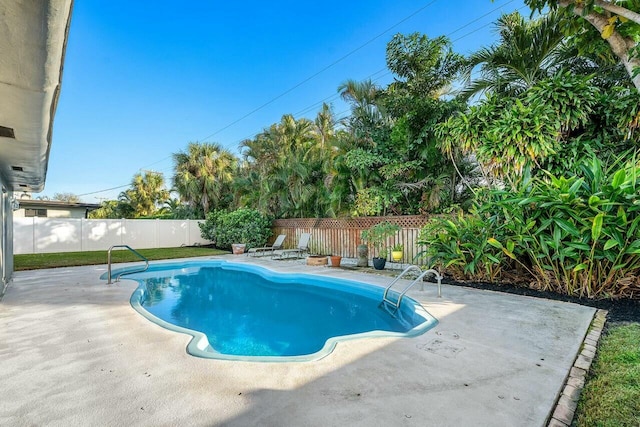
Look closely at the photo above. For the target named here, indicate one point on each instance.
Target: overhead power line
(314, 75)
(334, 96)
(311, 77)
(291, 89)
(102, 191)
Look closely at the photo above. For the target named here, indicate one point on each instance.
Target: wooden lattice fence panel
(341, 236)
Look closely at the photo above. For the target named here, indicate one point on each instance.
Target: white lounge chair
(299, 251)
(268, 249)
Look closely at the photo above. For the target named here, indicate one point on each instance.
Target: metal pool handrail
(125, 272)
(396, 304)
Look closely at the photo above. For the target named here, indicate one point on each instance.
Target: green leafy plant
(377, 236)
(244, 225)
(460, 245)
(397, 247)
(577, 235)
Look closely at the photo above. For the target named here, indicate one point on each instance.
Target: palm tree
(423, 67)
(146, 194)
(245, 188)
(359, 93)
(287, 164)
(528, 51)
(298, 173)
(325, 125)
(202, 174)
(365, 116)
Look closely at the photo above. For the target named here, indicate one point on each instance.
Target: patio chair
(268, 249)
(298, 252)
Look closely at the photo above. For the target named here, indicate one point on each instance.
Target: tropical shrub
(577, 236)
(515, 134)
(243, 225)
(460, 245)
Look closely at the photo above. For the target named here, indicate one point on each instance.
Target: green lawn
(611, 397)
(69, 259)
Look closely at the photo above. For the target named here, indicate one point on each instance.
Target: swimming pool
(246, 312)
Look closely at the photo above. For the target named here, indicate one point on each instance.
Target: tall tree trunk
(620, 45)
(618, 10)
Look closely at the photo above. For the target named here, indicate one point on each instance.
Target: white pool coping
(199, 344)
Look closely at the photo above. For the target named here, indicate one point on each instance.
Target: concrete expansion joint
(567, 402)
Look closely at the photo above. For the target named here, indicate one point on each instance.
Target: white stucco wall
(6, 237)
(56, 213)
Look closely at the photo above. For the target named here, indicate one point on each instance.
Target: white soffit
(33, 39)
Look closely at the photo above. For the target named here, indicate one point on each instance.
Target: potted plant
(397, 251)
(238, 248)
(377, 236)
(381, 260)
(335, 260)
(317, 260)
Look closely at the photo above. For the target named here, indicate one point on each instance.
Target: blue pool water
(237, 311)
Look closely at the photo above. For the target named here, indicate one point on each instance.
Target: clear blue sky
(142, 79)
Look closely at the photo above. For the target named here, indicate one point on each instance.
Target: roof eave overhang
(33, 40)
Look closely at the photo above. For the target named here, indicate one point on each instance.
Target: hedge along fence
(341, 236)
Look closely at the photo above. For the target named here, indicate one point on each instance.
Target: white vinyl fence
(46, 235)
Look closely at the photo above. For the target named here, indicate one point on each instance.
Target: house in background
(29, 208)
(33, 40)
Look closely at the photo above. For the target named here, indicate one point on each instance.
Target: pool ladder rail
(125, 272)
(396, 304)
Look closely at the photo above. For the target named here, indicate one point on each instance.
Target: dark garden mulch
(620, 310)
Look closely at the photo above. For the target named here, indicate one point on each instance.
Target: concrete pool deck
(74, 352)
